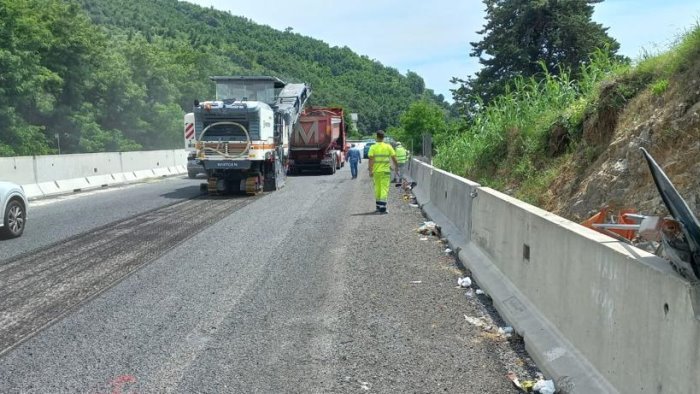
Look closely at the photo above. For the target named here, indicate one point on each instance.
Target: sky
(432, 38)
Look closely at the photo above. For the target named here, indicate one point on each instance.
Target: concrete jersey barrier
(597, 314)
(49, 175)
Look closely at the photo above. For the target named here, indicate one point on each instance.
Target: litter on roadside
(416, 282)
(505, 331)
(477, 321)
(413, 205)
(544, 387)
(540, 386)
(464, 282)
(469, 293)
(448, 251)
(525, 386)
(491, 330)
(429, 228)
(480, 292)
(423, 238)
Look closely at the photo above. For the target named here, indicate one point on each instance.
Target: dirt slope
(610, 169)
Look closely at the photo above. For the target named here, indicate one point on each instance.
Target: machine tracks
(40, 287)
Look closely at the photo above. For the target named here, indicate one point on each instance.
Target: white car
(14, 210)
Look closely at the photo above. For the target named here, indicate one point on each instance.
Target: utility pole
(58, 141)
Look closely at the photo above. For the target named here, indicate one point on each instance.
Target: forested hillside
(99, 75)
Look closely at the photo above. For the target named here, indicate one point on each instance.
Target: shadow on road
(371, 213)
(184, 193)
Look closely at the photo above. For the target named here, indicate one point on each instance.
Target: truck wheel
(14, 219)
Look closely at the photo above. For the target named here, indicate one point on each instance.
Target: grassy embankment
(521, 141)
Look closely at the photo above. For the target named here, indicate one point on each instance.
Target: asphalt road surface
(155, 288)
(55, 219)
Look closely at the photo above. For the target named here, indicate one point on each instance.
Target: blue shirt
(354, 155)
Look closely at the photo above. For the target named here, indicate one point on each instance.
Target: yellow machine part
(252, 185)
(211, 186)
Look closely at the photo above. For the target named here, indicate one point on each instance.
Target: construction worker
(402, 159)
(380, 156)
(354, 157)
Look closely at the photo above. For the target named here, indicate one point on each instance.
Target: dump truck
(242, 136)
(318, 141)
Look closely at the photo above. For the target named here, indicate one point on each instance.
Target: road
(56, 219)
(155, 288)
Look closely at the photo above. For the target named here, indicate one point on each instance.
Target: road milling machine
(242, 137)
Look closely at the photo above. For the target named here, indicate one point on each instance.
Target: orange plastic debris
(602, 217)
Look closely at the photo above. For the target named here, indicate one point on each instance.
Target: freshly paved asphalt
(301, 290)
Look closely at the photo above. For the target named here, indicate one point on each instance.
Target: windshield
(246, 90)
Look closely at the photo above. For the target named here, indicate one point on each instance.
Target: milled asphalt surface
(42, 286)
(302, 290)
(54, 219)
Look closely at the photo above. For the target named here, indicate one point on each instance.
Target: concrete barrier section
(136, 161)
(621, 308)
(452, 195)
(144, 174)
(442, 197)
(597, 314)
(420, 172)
(58, 174)
(19, 169)
(78, 166)
(102, 180)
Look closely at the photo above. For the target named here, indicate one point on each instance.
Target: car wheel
(192, 175)
(14, 219)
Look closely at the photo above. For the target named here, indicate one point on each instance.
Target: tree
(415, 83)
(113, 76)
(521, 36)
(422, 117)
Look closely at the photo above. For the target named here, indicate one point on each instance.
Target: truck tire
(14, 219)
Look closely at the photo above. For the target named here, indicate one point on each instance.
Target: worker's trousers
(401, 172)
(382, 180)
(353, 168)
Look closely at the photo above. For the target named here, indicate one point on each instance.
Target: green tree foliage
(422, 117)
(521, 36)
(46, 50)
(110, 76)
